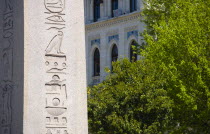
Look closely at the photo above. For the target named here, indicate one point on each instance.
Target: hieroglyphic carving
(56, 66)
(55, 6)
(55, 16)
(6, 115)
(7, 84)
(55, 44)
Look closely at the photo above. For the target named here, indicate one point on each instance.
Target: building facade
(112, 26)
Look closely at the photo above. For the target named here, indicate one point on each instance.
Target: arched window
(96, 10)
(133, 5)
(114, 6)
(114, 53)
(96, 62)
(133, 55)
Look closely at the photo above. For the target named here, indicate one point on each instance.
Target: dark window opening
(133, 54)
(96, 10)
(96, 63)
(114, 6)
(114, 54)
(133, 5)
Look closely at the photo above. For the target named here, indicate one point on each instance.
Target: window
(114, 6)
(96, 10)
(96, 64)
(133, 5)
(133, 55)
(114, 56)
(114, 53)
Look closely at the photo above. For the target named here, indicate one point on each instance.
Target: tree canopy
(178, 42)
(131, 101)
(168, 89)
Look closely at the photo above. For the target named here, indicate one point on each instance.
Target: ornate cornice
(113, 21)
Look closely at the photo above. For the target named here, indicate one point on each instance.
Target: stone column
(124, 6)
(102, 12)
(89, 60)
(138, 4)
(103, 55)
(121, 5)
(109, 8)
(42, 63)
(91, 10)
(141, 4)
(122, 43)
(105, 9)
(127, 6)
(88, 11)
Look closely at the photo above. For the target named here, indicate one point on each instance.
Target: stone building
(112, 26)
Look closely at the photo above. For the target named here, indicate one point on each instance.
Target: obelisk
(42, 67)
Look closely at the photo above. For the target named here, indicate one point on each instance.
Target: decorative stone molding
(135, 33)
(112, 32)
(113, 21)
(96, 41)
(113, 37)
(132, 28)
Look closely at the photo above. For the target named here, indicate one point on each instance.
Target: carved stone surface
(7, 84)
(55, 6)
(42, 67)
(96, 41)
(56, 66)
(113, 37)
(130, 33)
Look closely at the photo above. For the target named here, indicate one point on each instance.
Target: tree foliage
(178, 41)
(168, 90)
(132, 100)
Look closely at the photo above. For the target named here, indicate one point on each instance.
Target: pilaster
(102, 11)
(139, 4)
(122, 42)
(103, 55)
(87, 11)
(127, 6)
(121, 5)
(109, 9)
(91, 10)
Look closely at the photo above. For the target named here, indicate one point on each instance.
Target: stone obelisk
(42, 67)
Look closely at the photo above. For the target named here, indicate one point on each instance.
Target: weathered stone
(42, 67)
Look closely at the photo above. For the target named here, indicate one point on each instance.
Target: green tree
(168, 90)
(131, 101)
(177, 40)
